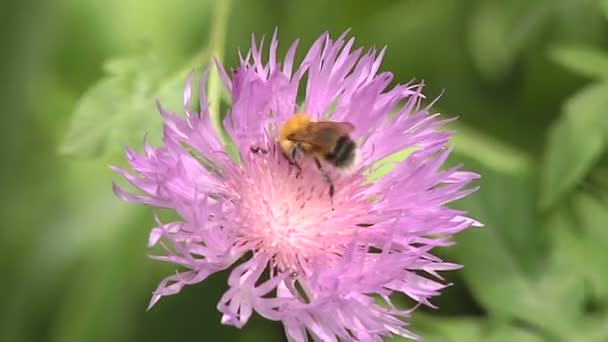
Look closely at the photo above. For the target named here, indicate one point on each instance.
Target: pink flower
(314, 265)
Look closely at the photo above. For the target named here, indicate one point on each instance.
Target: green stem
(217, 42)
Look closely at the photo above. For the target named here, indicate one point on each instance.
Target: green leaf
(499, 30)
(505, 262)
(488, 39)
(489, 151)
(604, 6)
(446, 329)
(580, 237)
(507, 333)
(470, 143)
(580, 22)
(381, 167)
(594, 328)
(576, 142)
(120, 108)
(585, 60)
(467, 329)
(92, 122)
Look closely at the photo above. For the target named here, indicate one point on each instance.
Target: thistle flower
(324, 270)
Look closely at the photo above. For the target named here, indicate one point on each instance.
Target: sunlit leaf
(575, 142)
(585, 60)
(380, 168)
(92, 121)
(120, 108)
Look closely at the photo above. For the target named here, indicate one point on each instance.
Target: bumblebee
(329, 141)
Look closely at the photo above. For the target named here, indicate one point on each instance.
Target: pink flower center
(293, 220)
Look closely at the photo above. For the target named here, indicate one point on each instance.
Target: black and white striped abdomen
(343, 154)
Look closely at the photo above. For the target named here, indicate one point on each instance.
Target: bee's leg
(294, 163)
(327, 180)
(291, 158)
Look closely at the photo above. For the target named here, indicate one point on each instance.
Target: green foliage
(577, 139)
(579, 234)
(604, 5)
(524, 268)
(501, 265)
(493, 153)
(576, 142)
(470, 329)
(449, 329)
(74, 258)
(118, 110)
(499, 30)
(384, 166)
(83, 317)
(585, 60)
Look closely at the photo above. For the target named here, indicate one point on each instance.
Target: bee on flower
(316, 245)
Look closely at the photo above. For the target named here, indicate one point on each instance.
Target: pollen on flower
(292, 220)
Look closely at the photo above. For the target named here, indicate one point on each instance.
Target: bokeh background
(528, 79)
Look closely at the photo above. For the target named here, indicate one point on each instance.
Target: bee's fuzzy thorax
(295, 123)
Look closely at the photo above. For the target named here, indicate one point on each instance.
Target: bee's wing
(322, 133)
(344, 128)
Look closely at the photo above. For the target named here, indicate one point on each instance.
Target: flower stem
(219, 26)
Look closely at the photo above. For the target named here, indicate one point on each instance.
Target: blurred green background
(528, 79)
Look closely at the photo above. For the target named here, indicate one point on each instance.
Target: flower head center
(293, 219)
